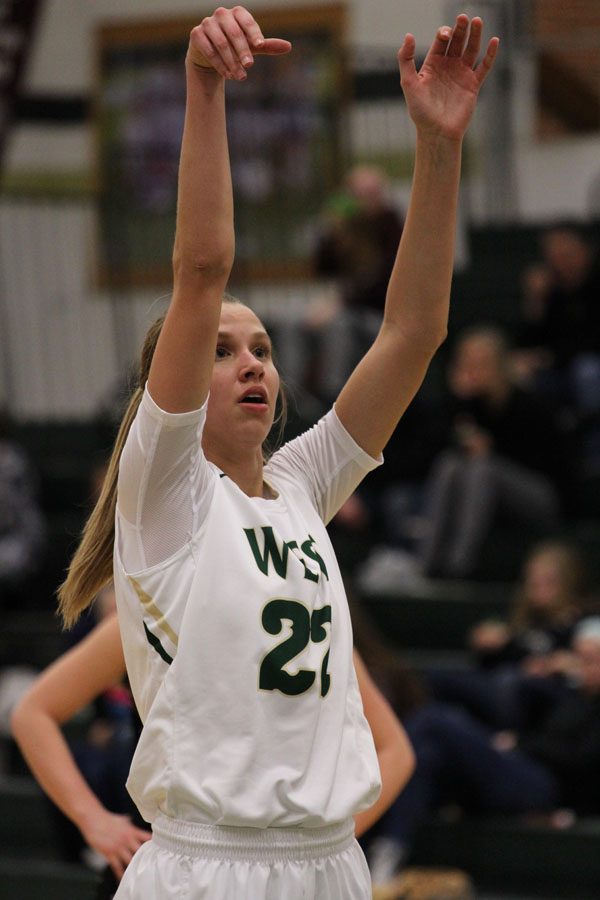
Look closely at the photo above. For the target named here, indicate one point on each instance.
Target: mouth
(255, 398)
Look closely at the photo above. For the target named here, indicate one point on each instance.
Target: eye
(262, 351)
(221, 352)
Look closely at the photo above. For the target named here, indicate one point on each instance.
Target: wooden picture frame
(284, 128)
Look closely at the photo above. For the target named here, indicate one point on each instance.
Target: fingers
(117, 866)
(464, 42)
(275, 47)
(228, 40)
(120, 858)
(225, 45)
(474, 43)
(459, 35)
(440, 43)
(246, 21)
(142, 835)
(202, 53)
(255, 38)
(485, 66)
(406, 59)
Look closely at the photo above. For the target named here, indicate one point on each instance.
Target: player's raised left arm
(441, 98)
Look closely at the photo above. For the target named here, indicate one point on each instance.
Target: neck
(246, 471)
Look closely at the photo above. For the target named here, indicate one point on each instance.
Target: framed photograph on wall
(284, 127)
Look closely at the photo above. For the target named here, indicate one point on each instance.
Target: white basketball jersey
(239, 644)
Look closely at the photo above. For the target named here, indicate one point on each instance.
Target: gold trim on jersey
(151, 608)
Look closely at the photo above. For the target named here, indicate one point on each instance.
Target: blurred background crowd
(472, 555)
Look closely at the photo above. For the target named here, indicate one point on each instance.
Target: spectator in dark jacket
(460, 761)
(561, 319)
(356, 249)
(568, 743)
(504, 454)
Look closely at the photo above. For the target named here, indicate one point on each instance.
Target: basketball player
(255, 753)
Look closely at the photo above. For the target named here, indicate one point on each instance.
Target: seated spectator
(568, 742)
(22, 527)
(551, 599)
(360, 237)
(383, 511)
(460, 761)
(505, 455)
(356, 248)
(560, 335)
(522, 663)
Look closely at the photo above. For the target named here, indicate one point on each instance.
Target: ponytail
(92, 565)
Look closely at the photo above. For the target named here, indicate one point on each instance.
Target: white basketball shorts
(209, 862)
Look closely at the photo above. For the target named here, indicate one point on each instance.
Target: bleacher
(507, 857)
(31, 867)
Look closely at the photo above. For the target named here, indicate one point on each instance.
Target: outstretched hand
(229, 40)
(442, 95)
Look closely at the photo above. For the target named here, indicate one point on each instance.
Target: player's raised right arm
(223, 45)
(203, 251)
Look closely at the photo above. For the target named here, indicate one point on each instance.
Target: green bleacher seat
(25, 821)
(507, 856)
(438, 616)
(31, 638)
(45, 880)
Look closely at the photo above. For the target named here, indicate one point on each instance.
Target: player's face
(245, 382)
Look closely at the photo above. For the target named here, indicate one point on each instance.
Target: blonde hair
(92, 565)
(573, 575)
(91, 568)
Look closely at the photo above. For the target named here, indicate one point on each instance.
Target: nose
(251, 367)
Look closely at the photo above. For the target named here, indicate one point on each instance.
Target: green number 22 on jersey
(306, 627)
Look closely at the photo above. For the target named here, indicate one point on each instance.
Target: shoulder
(325, 441)
(150, 408)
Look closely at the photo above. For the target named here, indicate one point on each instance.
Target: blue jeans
(502, 697)
(457, 762)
